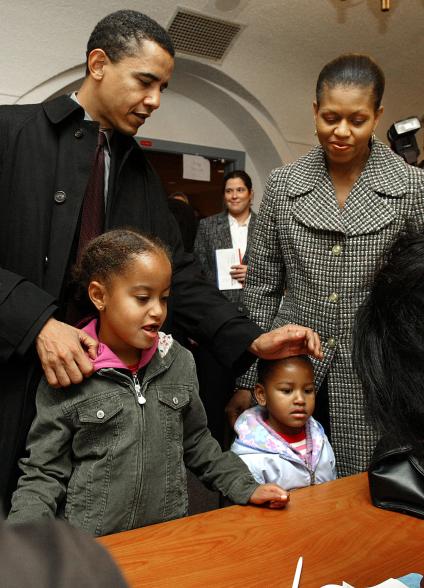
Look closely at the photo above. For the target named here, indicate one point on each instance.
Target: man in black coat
(46, 155)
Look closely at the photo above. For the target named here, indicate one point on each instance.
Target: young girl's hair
(388, 342)
(266, 366)
(110, 254)
(352, 69)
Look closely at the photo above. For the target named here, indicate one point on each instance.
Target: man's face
(129, 90)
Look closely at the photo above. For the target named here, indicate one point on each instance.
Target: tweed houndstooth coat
(323, 258)
(214, 233)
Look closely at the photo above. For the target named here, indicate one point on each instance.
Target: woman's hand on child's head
(287, 341)
(270, 494)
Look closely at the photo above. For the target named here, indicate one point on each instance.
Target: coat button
(79, 133)
(334, 297)
(59, 197)
(336, 250)
(331, 342)
(46, 261)
(175, 400)
(100, 414)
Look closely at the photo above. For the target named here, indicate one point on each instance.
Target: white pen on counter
(297, 573)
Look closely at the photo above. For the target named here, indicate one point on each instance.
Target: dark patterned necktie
(93, 207)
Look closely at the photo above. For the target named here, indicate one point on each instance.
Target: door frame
(234, 159)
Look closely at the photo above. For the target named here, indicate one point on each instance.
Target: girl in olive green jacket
(110, 454)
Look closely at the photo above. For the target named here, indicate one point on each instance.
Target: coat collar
(223, 226)
(222, 218)
(60, 108)
(385, 172)
(366, 210)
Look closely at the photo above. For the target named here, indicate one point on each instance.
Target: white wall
(182, 120)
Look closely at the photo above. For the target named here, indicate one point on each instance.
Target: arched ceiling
(273, 63)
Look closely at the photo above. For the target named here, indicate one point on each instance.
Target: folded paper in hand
(225, 258)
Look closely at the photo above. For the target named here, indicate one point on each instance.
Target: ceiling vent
(202, 36)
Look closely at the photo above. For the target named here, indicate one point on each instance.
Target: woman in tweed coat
(216, 232)
(323, 225)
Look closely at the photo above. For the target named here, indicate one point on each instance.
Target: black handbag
(396, 478)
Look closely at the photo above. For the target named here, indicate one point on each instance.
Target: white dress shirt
(239, 234)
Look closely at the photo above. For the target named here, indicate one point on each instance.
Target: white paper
(225, 258)
(196, 167)
(390, 583)
(344, 585)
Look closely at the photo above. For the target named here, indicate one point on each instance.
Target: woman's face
(345, 121)
(237, 196)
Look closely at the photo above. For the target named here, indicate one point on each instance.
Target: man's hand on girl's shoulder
(66, 353)
(271, 495)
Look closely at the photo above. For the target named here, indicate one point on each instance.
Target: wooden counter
(340, 535)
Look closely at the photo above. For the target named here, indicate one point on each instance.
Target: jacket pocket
(99, 410)
(176, 397)
(174, 400)
(100, 427)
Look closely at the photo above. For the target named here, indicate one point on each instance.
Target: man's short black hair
(121, 33)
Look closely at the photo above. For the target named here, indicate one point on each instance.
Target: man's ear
(260, 395)
(97, 295)
(96, 61)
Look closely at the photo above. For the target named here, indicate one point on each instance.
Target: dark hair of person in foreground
(388, 345)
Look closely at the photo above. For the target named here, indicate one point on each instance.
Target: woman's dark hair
(352, 69)
(110, 254)
(238, 173)
(121, 33)
(266, 366)
(388, 342)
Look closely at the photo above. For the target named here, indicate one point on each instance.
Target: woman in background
(230, 229)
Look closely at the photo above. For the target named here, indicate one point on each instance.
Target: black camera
(402, 138)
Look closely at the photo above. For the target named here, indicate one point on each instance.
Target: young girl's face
(288, 395)
(135, 305)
